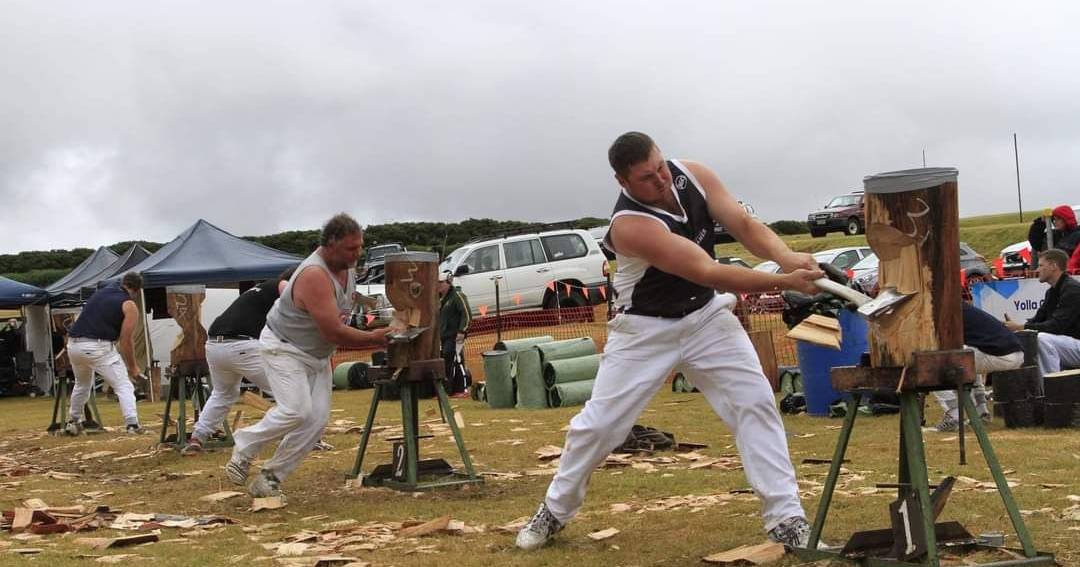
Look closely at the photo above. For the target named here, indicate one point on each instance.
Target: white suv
(525, 265)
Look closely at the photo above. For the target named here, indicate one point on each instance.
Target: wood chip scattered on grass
(267, 503)
(220, 496)
(603, 534)
(426, 528)
(748, 555)
(548, 452)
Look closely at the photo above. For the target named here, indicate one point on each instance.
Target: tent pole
(146, 340)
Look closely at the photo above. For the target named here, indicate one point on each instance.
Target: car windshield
(843, 201)
(866, 263)
(379, 252)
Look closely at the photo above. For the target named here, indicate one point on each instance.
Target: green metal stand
(913, 481)
(92, 416)
(408, 472)
(180, 387)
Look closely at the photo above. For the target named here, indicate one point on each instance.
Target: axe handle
(825, 284)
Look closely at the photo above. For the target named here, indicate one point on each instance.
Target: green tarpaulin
(571, 348)
(571, 370)
(571, 393)
(525, 371)
(498, 383)
(341, 375)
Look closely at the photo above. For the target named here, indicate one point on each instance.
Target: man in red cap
(1066, 235)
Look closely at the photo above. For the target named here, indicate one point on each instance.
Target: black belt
(665, 315)
(229, 338)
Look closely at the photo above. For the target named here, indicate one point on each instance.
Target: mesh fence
(756, 312)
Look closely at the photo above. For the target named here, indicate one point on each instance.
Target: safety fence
(758, 313)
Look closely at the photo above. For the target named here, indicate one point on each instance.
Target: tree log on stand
(913, 227)
(412, 288)
(185, 306)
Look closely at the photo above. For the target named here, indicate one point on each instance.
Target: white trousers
(984, 363)
(301, 384)
(1056, 350)
(229, 362)
(88, 357)
(711, 348)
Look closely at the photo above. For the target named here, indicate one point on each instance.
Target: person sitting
(1065, 233)
(1058, 319)
(996, 348)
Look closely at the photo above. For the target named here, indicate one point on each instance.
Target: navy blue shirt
(984, 332)
(102, 315)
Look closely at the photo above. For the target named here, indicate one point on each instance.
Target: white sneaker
(539, 530)
(265, 485)
(237, 469)
(793, 532)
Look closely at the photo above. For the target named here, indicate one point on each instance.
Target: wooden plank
(823, 321)
(186, 309)
(915, 234)
(814, 334)
(846, 378)
(412, 288)
(766, 352)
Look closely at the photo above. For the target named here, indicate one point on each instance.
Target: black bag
(642, 438)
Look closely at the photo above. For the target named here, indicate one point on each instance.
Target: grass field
(653, 530)
(986, 234)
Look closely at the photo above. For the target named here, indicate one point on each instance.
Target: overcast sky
(131, 120)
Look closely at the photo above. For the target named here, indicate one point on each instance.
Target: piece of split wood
(603, 534)
(251, 399)
(23, 518)
(759, 554)
(97, 455)
(219, 496)
(112, 543)
(121, 558)
(236, 419)
(291, 549)
(35, 504)
(268, 503)
(459, 420)
(436, 525)
(548, 452)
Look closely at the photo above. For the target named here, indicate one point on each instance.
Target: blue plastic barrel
(815, 362)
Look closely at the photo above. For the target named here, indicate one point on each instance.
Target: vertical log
(411, 286)
(766, 352)
(913, 226)
(185, 306)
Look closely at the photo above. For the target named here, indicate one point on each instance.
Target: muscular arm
(758, 238)
(649, 240)
(126, 342)
(314, 292)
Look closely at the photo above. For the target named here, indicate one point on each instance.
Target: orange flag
(603, 292)
(585, 290)
(517, 299)
(963, 278)
(483, 310)
(551, 286)
(369, 318)
(567, 286)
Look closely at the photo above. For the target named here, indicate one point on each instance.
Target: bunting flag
(1025, 253)
(850, 273)
(963, 278)
(483, 310)
(369, 318)
(567, 286)
(999, 268)
(517, 299)
(603, 292)
(585, 290)
(551, 286)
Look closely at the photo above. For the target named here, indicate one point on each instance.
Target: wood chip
(35, 504)
(748, 555)
(97, 455)
(548, 452)
(436, 525)
(603, 534)
(219, 496)
(22, 520)
(268, 503)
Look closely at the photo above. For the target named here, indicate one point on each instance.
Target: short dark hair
(338, 227)
(132, 280)
(1058, 257)
(629, 149)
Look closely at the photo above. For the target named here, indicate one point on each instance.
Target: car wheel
(854, 226)
(575, 299)
(817, 233)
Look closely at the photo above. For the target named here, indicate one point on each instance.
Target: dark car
(845, 213)
(375, 258)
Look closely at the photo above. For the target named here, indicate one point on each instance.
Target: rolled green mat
(571, 393)
(341, 375)
(571, 370)
(498, 384)
(572, 348)
(523, 344)
(531, 391)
